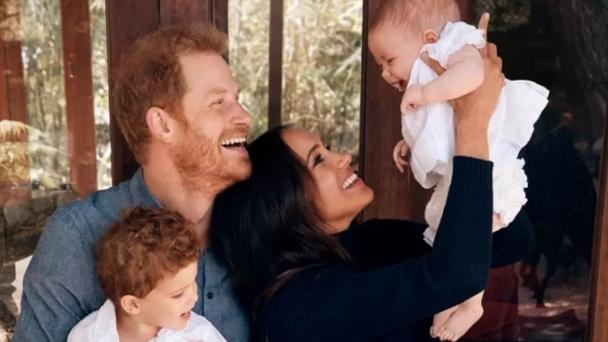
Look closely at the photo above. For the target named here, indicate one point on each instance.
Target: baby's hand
(412, 99)
(399, 153)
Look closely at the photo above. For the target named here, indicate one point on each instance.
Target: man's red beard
(202, 167)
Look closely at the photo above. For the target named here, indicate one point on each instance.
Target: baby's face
(395, 52)
(169, 304)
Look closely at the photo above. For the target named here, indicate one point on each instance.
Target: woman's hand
(472, 111)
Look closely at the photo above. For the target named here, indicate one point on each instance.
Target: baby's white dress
(100, 326)
(429, 132)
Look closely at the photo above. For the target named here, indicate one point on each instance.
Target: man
(177, 105)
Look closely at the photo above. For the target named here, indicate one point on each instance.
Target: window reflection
(34, 162)
(546, 298)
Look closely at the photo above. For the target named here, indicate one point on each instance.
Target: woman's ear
(161, 125)
(430, 36)
(130, 304)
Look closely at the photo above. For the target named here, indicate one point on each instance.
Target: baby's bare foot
(440, 319)
(460, 322)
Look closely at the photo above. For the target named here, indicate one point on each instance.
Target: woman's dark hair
(266, 228)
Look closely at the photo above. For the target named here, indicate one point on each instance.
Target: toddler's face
(395, 52)
(169, 304)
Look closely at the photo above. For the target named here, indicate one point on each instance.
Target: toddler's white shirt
(429, 132)
(100, 326)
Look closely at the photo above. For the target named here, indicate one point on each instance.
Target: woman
(307, 277)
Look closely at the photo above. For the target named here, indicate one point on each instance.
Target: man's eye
(390, 61)
(177, 295)
(218, 102)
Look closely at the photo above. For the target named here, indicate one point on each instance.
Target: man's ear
(130, 304)
(430, 36)
(160, 124)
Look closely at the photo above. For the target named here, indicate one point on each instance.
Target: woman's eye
(177, 295)
(218, 102)
(390, 61)
(318, 160)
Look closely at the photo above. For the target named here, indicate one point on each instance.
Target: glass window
(546, 297)
(249, 22)
(322, 69)
(34, 157)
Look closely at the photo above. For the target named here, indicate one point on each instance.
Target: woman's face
(340, 194)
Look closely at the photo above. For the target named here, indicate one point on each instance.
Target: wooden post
(12, 85)
(15, 184)
(78, 79)
(396, 195)
(597, 330)
(275, 55)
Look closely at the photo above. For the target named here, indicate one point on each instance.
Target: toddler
(147, 266)
(400, 32)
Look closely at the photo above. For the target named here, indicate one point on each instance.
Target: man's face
(210, 154)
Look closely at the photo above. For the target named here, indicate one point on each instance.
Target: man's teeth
(234, 142)
(349, 181)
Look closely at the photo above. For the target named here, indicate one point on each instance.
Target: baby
(147, 265)
(400, 32)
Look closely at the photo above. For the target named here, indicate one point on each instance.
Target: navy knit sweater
(398, 282)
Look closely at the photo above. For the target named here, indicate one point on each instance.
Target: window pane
(34, 156)
(248, 35)
(322, 69)
(546, 297)
(101, 92)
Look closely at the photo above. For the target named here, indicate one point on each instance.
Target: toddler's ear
(130, 304)
(430, 36)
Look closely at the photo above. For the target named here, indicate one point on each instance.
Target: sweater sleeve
(325, 303)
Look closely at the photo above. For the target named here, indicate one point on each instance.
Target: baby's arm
(464, 74)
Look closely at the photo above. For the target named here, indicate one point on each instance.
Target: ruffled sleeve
(454, 37)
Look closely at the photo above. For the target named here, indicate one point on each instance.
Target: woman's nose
(345, 160)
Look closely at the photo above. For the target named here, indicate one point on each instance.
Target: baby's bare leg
(440, 319)
(469, 312)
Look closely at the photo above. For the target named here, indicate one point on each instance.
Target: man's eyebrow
(312, 149)
(218, 90)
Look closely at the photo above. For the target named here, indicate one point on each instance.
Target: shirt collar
(140, 193)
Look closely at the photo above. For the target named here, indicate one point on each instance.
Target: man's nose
(242, 116)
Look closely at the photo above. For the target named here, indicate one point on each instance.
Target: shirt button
(209, 295)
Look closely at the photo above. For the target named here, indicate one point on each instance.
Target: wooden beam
(4, 75)
(597, 330)
(12, 85)
(174, 12)
(12, 88)
(127, 21)
(466, 10)
(275, 55)
(396, 195)
(78, 79)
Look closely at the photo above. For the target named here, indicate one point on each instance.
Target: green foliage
(42, 55)
(321, 65)
(322, 69)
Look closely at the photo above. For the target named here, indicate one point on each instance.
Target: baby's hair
(416, 15)
(141, 248)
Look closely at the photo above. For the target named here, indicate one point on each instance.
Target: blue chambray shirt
(60, 286)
